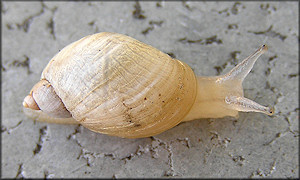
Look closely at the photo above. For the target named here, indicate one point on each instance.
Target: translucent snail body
(116, 85)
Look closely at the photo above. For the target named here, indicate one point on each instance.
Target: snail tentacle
(240, 71)
(247, 105)
(238, 74)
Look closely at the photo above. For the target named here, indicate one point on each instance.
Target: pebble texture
(211, 37)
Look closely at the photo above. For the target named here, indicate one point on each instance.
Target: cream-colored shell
(114, 84)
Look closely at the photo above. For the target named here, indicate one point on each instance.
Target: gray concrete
(255, 145)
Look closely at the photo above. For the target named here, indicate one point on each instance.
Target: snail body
(116, 85)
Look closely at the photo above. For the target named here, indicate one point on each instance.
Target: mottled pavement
(211, 37)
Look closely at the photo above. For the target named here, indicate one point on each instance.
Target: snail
(116, 85)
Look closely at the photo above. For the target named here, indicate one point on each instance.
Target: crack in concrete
(271, 62)
(9, 26)
(48, 175)
(293, 75)
(51, 27)
(184, 4)
(25, 25)
(153, 24)
(94, 26)
(168, 148)
(260, 173)
(235, 9)
(220, 142)
(140, 151)
(295, 132)
(85, 154)
(42, 138)
(152, 148)
(216, 141)
(272, 58)
(51, 23)
(25, 63)
(268, 71)
(8, 130)
(185, 141)
(233, 60)
(76, 131)
(288, 129)
(138, 13)
(90, 157)
(274, 90)
(270, 32)
(171, 171)
(20, 172)
(73, 135)
(232, 26)
(239, 159)
(208, 153)
(205, 41)
(114, 176)
(278, 135)
(294, 171)
(296, 110)
(267, 7)
(158, 4)
(223, 11)
(3, 68)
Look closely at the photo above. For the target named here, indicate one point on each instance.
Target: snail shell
(114, 84)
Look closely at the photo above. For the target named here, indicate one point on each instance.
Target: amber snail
(113, 84)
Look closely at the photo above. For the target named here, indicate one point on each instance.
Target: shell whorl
(117, 85)
(43, 97)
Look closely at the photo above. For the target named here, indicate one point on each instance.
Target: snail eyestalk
(247, 105)
(223, 95)
(240, 71)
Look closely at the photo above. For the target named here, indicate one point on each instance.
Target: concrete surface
(210, 36)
